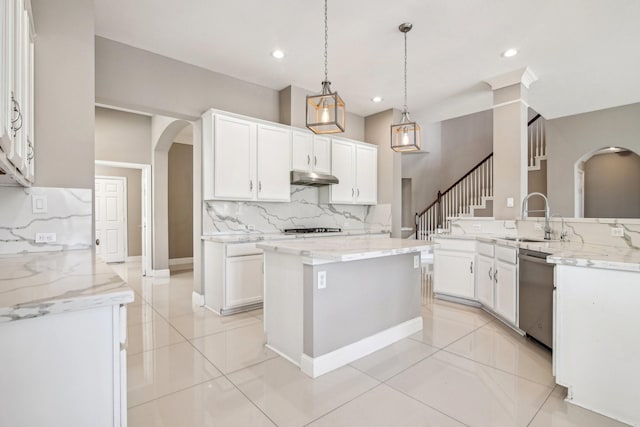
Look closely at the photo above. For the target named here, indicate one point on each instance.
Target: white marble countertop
(351, 249)
(34, 285)
(569, 253)
(258, 237)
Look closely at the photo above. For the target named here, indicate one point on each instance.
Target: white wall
(569, 138)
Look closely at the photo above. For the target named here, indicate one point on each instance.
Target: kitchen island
(331, 301)
(63, 333)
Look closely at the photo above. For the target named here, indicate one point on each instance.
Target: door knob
(97, 242)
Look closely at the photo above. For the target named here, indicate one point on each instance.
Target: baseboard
(180, 261)
(159, 273)
(316, 366)
(135, 258)
(197, 300)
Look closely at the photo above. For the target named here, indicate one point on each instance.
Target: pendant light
(325, 112)
(405, 136)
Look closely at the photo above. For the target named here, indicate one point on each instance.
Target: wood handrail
(536, 117)
(456, 183)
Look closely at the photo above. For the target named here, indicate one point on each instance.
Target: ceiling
(584, 52)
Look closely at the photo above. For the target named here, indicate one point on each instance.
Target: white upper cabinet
(234, 158)
(273, 164)
(16, 93)
(310, 153)
(343, 156)
(245, 159)
(356, 167)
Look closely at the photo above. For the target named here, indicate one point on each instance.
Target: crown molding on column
(522, 76)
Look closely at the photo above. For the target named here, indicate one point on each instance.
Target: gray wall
(370, 296)
(180, 201)
(572, 137)
(611, 183)
(389, 164)
(134, 205)
(136, 79)
(122, 136)
(454, 146)
(64, 93)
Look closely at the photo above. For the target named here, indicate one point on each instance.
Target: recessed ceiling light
(278, 54)
(509, 53)
(376, 99)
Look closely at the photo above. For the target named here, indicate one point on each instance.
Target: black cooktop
(312, 230)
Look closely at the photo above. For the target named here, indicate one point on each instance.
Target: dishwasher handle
(533, 259)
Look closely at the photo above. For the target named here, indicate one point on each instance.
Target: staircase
(472, 195)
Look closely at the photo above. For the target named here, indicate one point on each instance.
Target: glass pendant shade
(405, 136)
(325, 112)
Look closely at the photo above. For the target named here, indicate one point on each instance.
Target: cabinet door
(342, 167)
(17, 155)
(366, 175)
(244, 281)
(6, 74)
(484, 281)
(506, 285)
(321, 154)
(234, 159)
(273, 164)
(301, 151)
(453, 273)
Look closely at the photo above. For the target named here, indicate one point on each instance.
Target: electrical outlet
(617, 232)
(322, 279)
(537, 226)
(251, 227)
(477, 227)
(416, 261)
(45, 237)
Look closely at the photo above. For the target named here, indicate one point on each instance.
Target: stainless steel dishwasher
(536, 296)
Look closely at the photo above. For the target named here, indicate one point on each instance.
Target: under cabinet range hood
(312, 179)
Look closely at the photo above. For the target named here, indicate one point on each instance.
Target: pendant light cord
(326, 43)
(405, 71)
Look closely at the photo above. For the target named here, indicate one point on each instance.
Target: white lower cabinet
(66, 369)
(244, 281)
(454, 268)
(233, 276)
(485, 284)
(506, 282)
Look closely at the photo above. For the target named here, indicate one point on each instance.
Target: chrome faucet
(525, 212)
(563, 234)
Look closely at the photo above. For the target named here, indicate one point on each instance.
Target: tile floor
(189, 367)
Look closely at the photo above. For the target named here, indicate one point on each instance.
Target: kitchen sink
(525, 239)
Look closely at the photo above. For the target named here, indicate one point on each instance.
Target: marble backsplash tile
(69, 215)
(580, 230)
(304, 210)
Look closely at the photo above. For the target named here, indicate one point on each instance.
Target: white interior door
(110, 219)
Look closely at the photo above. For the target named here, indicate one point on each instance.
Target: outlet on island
(617, 232)
(322, 279)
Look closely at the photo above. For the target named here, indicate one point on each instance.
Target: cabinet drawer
(242, 249)
(456, 245)
(485, 249)
(505, 254)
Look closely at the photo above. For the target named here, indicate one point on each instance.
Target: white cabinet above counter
(246, 159)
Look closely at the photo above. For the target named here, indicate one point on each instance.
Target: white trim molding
(197, 300)
(134, 258)
(522, 76)
(316, 366)
(159, 273)
(180, 261)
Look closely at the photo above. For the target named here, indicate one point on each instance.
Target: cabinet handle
(308, 159)
(259, 186)
(471, 267)
(30, 154)
(315, 161)
(358, 192)
(250, 185)
(495, 276)
(352, 192)
(16, 109)
(97, 242)
(490, 268)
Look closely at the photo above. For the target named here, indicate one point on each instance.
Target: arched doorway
(606, 182)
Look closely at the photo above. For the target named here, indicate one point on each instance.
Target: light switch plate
(322, 279)
(39, 204)
(510, 202)
(617, 232)
(537, 226)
